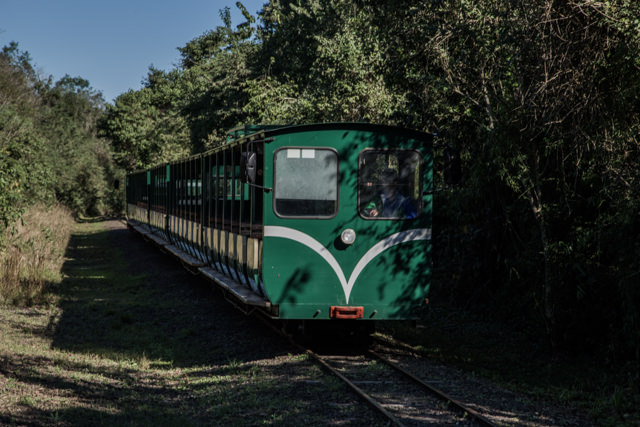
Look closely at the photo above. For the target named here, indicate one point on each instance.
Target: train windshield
(306, 182)
(389, 184)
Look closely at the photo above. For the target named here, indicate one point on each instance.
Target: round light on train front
(348, 236)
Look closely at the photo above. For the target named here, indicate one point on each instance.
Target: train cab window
(389, 184)
(306, 182)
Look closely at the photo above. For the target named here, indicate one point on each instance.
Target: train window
(306, 182)
(389, 184)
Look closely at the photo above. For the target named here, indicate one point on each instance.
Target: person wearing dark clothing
(390, 203)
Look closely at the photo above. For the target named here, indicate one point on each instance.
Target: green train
(323, 223)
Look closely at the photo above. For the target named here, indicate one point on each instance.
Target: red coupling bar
(346, 312)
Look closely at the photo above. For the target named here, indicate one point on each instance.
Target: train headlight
(348, 236)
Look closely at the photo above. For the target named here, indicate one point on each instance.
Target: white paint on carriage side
(374, 251)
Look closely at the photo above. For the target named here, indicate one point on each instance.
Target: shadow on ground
(123, 298)
(138, 340)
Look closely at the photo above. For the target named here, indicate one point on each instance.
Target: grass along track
(134, 339)
(129, 337)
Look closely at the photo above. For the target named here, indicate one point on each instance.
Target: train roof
(254, 132)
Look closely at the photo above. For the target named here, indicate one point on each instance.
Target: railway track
(395, 392)
(430, 387)
(399, 395)
(465, 409)
(402, 397)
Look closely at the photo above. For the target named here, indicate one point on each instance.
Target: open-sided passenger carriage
(313, 222)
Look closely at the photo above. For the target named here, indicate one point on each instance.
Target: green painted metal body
(301, 281)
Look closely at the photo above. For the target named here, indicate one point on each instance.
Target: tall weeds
(32, 257)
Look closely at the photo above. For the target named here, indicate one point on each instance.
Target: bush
(31, 263)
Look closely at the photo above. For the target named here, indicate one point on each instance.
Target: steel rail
(437, 392)
(269, 323)
(366, 397)
(354, 387)
(433, 390)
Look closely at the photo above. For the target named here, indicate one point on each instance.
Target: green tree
(71, 109)
(324, 63)
(216, 72)
(48, 145)
(542, 96)
(146, 127)
(19, 140)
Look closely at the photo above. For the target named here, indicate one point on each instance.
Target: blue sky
(110, 43)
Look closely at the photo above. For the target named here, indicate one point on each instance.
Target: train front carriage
(310, 222)
(330, 248)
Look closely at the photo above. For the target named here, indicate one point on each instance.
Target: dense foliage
(49, 149)
(541, 97)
